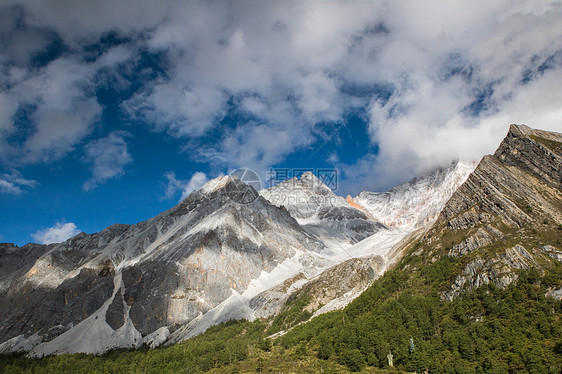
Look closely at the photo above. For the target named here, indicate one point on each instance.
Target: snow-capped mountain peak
(418, 202)
(322, 213)
(215, 184)
(223, 252)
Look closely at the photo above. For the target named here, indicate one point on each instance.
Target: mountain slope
(415, 203)
(353, 238)
(480, 291)
(322, 213)
(508, 214)
(207, 260)
(111, 289)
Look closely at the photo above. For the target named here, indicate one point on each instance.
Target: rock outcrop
(507, 216)
(112, 288)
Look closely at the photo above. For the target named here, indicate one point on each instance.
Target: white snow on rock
(418, 202)
(378, 244)
(235, 307)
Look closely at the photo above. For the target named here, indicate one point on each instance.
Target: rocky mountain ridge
(212, 258)
(120, 286)
(506, 216)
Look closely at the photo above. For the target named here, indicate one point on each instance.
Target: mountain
(225, 252)
(415, 203)
(479, 291)
(131, 284)
(353, 238)
(476, 289)
(508, 214)
(322, 213)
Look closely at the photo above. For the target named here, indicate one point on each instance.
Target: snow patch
(157, 337)
(215, 184)
(285, 270)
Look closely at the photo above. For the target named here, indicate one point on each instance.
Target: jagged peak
(528, 132)
(307, 182)
(537, 152)
(516, 129)
(308, 179)
(215, 184)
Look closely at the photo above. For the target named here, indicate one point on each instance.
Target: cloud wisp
(107, 158)
(14, 183)
(173, 185)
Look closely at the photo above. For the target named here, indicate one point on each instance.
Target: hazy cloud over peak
(197, 180)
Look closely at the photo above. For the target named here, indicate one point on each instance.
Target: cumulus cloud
(454, 72)
(15, 183)
(56, 234)
(58, 104)
(173, 185)
(434, 80)
(470, 78)
(108, 157)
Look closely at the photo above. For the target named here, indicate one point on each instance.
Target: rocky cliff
(506, 216)
(135, 283)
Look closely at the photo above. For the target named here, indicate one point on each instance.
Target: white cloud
(289, 64)
(58, 99)
(175, 109)
(15, 183)
(108, 157)
(458, 73)
(56, 234)
(197, 180)
(457, 53)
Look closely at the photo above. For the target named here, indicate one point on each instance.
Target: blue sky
(110, 111)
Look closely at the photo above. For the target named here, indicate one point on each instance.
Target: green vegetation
(487, 330)
(292, 315)
(219, 346)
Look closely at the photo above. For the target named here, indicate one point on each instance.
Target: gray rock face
(226, 252)
(552, 252)
(536, 152)
(482, 237)
(15, 260)
(484, 195)
(497, 270)
(511, 202)
(160, 273)
(321, 212)
(31, 309)
(353, 274)
(522, 180)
